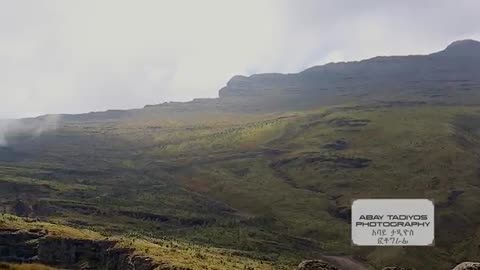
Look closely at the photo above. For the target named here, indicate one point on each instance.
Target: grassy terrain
(10, 266)
(174, 253)
(274, 188)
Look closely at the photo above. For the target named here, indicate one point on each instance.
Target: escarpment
(38, 246)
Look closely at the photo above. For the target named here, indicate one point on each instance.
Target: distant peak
(466, 47)
(236, 79)
(464, 43)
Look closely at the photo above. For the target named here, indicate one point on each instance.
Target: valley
(275, 187)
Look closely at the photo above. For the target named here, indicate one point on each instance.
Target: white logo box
(393, 222)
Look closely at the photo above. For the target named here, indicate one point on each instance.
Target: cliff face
(451, 76)
(38, 246)
(447, 76)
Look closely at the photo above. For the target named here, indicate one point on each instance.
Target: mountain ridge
(427, 78)
(373, 78)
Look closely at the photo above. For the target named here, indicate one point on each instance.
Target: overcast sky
(89, 55)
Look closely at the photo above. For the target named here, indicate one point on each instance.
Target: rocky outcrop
(316, 265)
(38, 246)
(468, 266)
(21, 208)
(19, 246)
(322, 265)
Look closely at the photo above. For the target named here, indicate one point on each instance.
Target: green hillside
(273, 187)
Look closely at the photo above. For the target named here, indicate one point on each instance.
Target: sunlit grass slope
(273, 187)
(174, 253)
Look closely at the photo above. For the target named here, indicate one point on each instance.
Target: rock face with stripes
(37, 246)
(468, 266)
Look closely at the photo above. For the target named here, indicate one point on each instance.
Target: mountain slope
(444, 77)
(275, 188)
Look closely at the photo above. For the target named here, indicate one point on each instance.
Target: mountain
(262, 177)
(463, 48)
(451, 76)
(443, 77)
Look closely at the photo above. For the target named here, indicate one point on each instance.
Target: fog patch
(30, 127)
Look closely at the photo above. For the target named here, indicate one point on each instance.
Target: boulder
(316, 265)
(468, 266)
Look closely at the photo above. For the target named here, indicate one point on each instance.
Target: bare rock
(468, 266)
(316, 265)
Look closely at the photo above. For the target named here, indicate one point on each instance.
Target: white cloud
(77, 56)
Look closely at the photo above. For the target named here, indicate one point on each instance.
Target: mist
(29, 127)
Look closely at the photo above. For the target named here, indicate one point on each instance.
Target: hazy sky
(89, 55)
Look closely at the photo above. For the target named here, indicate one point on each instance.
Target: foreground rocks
(316, 265)
(37, 246)
(468, 266)
(322, 265)
(396, 268)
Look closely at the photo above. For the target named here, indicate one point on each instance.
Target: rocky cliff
(28, 246)
(445, 77)
(451, 76)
